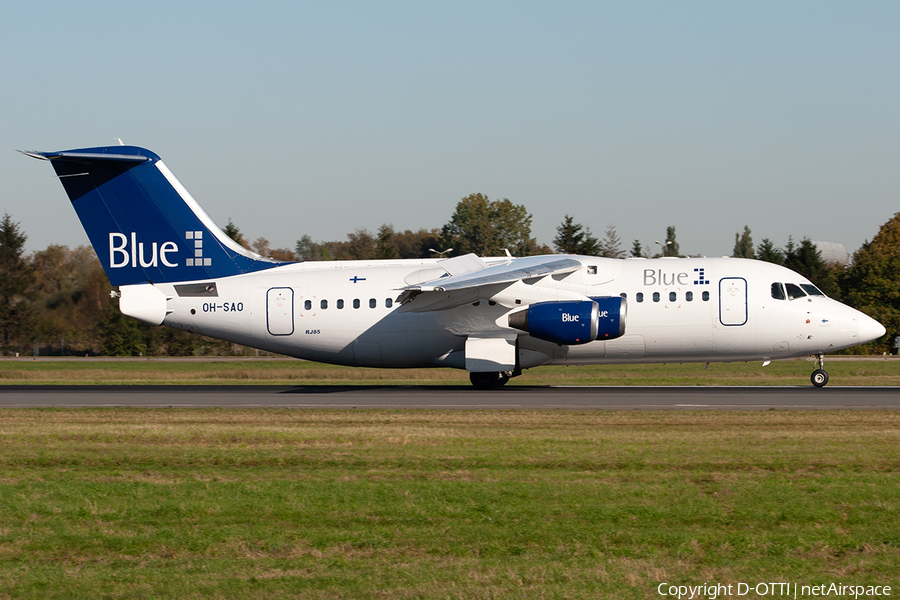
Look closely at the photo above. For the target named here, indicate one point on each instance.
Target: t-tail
(144, 225)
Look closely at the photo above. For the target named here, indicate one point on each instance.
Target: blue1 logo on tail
(121, 254)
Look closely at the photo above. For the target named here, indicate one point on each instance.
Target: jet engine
(573, 322)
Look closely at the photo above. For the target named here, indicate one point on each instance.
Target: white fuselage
(678, 310)
(490, 316)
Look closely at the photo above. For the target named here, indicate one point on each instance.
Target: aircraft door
(280, 311)
(733, 301)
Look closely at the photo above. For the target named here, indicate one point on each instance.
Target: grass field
(129, 503)
(843, 371)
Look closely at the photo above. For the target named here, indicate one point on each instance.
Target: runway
(451, 397)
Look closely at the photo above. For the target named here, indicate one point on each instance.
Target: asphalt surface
(453, 397)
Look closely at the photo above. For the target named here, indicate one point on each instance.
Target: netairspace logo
(711, 591)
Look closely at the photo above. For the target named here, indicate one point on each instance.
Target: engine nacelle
(573, 322)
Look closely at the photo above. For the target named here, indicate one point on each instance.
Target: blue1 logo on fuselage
(660, 277)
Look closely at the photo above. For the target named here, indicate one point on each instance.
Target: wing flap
(461, 265)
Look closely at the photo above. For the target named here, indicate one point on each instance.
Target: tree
(335, 251)
(283, 254)
(122, 336)
(470, 228)
(360, 245)
(743, 244)
(767, 252)
(387, 243)
(261, 246)
(804, 259)
(572, 238)
(232, 231)
(419, 244)
(872, 283)
(512, 229)
(488, 228)
(71, 296)
(670, 246)
(384, 242)
(16, 276)
(611, 245)
(807, 260)
(637, 251)
(307, 249)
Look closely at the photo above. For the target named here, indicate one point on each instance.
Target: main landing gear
(489, 381)
(819, 377)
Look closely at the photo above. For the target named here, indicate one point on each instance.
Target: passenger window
(777, 291)
(672, 296)
(373, 302)
(307, 305)
(794, 291)
(706, 296)
(388, 303)
(811, 289)
(356, 303)
(656, 296)
(639, 297)
(592, 270)
(323, 304)
(340, 304)
(689, 296)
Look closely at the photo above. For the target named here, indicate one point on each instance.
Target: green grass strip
(134, 503)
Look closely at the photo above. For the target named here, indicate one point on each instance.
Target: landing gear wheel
(819, 378)
(488, 381)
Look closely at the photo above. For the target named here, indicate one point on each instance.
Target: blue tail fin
(143, 224)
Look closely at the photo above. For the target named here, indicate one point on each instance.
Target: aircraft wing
(531, 267)
(481, 281)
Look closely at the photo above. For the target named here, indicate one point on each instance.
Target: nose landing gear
(819, 377)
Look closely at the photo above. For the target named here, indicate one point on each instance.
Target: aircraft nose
(869, 328)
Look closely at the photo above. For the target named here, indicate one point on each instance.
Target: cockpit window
(778, 291)
(794, 291)
(811, 289)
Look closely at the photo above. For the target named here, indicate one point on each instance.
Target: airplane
(492, 316)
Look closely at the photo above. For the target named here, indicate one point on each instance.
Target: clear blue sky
(320, 118)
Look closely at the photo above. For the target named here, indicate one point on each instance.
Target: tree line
(57, 301)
